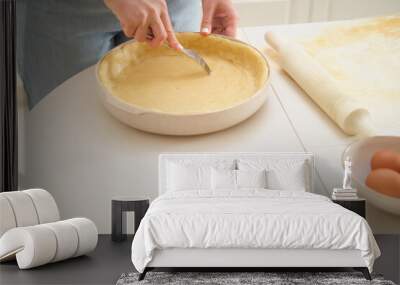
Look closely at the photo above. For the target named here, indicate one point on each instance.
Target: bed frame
(246, 259)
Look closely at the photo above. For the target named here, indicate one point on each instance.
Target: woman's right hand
(145, 20)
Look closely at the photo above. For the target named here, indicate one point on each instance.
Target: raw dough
(166, 81)
(363, 56)
(350, 67)
(350, 115)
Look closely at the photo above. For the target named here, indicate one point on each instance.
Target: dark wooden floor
(110, 260)
(103, 266)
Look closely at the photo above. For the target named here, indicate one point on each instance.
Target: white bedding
(251, 218)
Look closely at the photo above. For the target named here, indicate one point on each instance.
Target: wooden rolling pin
(349, 114)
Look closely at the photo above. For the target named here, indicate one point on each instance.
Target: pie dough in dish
(162, 82)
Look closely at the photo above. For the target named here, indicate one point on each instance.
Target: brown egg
(386, 159)
(385, 181)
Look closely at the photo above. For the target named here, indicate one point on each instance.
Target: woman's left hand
(219, 17)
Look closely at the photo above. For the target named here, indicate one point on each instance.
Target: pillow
(193, 173)
(251, 178)
(290, 179)
(236, 179)
(187, 177)
(282, 174)
(223, 179)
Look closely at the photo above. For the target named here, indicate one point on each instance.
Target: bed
(247, 210)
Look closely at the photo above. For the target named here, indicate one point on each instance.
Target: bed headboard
(166, 158)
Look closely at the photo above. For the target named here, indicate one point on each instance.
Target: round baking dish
(185, 124)
(361, 153)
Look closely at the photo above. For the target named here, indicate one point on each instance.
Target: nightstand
(121, 205)
(356, 205)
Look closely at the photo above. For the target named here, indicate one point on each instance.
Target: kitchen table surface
(73, 143)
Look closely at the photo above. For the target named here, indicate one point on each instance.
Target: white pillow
(282, 174)
(223, 179)
(193, 173)
(187, 177)
(251, 178)
(237, 179)
(292, 179)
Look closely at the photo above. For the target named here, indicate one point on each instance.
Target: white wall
(267, 12)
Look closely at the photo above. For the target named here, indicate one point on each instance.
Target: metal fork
(197, 58)
(189, 53)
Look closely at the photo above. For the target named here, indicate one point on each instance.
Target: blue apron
(58, 38)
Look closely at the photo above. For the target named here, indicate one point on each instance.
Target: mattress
(250, 218)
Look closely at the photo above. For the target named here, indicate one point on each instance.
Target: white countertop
(80, 153)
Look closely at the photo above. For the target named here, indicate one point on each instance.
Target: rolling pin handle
(275, 41)
(360, 123)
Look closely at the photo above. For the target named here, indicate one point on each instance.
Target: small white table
(85, 156)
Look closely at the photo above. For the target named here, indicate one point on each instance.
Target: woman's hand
(145, 20)
(219, 17)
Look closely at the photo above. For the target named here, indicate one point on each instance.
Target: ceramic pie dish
(162, 91)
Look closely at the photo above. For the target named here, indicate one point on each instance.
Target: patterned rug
(244, 278)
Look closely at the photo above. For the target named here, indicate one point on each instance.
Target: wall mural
(101, 106)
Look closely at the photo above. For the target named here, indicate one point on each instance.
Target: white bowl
(361, 153)
(183, 124)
